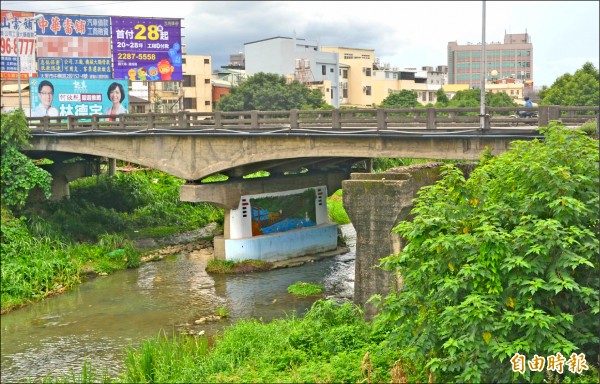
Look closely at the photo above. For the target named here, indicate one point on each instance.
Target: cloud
(564, 34)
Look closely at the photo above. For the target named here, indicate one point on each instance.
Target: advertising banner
(18, 38)
(64, 97)
(146, 49)
(74, 47)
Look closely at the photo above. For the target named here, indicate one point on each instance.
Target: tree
(441, 98)
(270, 92)
(579, 89)
(19, 175)
(403, 99)
(470, 98)
(505, 262)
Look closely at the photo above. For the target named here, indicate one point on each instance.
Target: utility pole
(483, 69)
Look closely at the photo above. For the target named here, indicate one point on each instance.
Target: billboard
(146, 49)
(64, 97)
(17, 37)
(74, 47)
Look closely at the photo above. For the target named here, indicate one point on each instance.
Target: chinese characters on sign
(146, 49)
(74, 47)
(575, 364)
(18, 38)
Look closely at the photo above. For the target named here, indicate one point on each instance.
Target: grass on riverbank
(331, 343)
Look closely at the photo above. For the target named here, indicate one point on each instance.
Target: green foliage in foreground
(19, 175)
(35, 267)
(505, 262)
(302, 288)
(326, 345)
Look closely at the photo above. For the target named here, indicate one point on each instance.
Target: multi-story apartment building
(298, 59)
(197, 84)
(511, 59)
(356, 74)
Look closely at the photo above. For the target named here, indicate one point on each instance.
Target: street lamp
(483, 69)
(18, 46)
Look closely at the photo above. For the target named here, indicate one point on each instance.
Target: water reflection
(98, 319)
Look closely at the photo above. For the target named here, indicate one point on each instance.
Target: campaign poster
(75, 97)
(146, 49)
(18, 44)
(74, 47)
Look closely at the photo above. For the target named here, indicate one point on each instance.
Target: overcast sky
(564, 34)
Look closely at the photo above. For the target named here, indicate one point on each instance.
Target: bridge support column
(376, 203)
(112, 167)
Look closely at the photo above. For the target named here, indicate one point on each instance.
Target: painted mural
(283, 213)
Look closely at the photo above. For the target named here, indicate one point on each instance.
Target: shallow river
(99, 319)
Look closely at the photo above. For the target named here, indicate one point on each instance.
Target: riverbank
(157, 248)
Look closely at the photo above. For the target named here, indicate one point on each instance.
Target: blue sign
(63, 97)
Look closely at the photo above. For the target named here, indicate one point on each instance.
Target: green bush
(503, 263)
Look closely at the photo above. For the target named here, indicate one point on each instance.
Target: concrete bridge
(301, 150)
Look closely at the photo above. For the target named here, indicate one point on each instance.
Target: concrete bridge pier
(243, 236)
(376, 203)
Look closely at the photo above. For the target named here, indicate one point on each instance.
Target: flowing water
(96, 321)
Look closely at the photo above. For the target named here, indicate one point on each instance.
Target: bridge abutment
(376, 203)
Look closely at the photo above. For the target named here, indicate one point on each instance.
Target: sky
(405, 34)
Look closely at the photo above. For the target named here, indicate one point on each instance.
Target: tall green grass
(327, 345)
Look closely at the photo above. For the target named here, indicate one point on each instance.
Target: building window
(347, 56)
(206, 81)
(207, 102)
(189, 103)
(345, 93)
(367, 71)
(368, 90)
(366, 56)
(323, 70)
(331, 70)
(430, 96)
(424, 96)
(183, 60)
(206, 61)
(189, 81)
(344, 74)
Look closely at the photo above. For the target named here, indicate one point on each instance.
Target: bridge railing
(363, 120)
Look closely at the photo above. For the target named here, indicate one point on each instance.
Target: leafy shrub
(503, 263)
